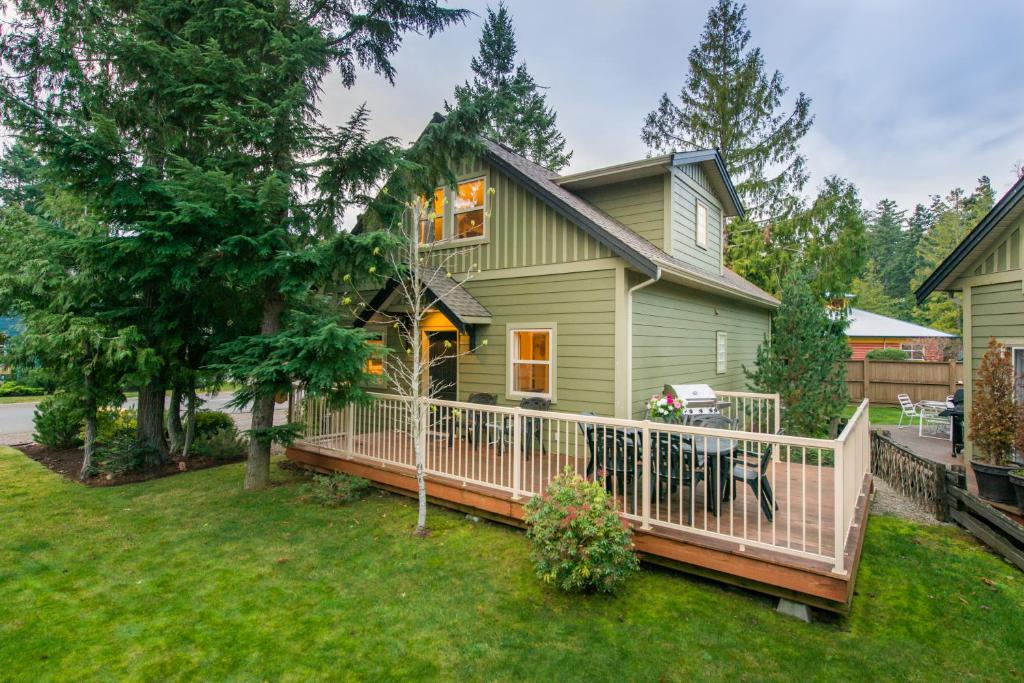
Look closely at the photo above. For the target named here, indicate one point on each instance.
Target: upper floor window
(702, 225)
(432, 225)
(462, 217)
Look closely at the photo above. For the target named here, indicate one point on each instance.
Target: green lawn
(191, 578)
(879, 415)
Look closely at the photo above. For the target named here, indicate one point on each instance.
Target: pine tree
(518, 115)
(729, 103)
(870, 294)
(803, 361)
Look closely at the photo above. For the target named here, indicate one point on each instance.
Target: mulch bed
(68, 463)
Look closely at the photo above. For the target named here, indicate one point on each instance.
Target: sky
(910, 98)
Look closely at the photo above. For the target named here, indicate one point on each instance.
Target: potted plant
(1017, 482)
(993, 428)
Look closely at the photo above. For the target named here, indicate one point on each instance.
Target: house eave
(707, 284)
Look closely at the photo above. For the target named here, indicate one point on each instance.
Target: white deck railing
(661, 476)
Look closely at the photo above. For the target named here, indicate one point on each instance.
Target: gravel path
(889, 502)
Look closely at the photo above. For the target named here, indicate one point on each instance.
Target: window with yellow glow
(531, 362)
(468, 209)
(375, 364)
(432, 227)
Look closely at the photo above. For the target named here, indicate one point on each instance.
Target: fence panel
(881, 381)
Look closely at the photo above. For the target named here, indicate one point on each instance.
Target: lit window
(375, 363)
(531, 362)
(432, 226)
(721, 352)
(914, 351)
(468, 210)
(702, 225)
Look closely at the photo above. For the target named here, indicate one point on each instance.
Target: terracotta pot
(994, 482)
(1017, 482)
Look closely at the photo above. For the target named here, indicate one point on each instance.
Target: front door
(443, 348)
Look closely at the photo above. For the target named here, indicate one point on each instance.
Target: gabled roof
(1002, 216)
(456, 304)
(867, 324)
(631, 247)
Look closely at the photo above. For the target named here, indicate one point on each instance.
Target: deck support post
(350, 431)
(517, 454)
(645, 523)
(797, 610)
(839, 523)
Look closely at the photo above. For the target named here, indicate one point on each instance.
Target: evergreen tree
(803, 361)
(190, 132)
(517, 112)
(728, 102)
(870, 295)
(826, 239)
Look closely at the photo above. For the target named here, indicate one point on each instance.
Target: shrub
(220, 444)
(579, 542)
(887, 354)
(993, 420)
(15, 389)
(112, 423)
(120, 455)
(332, 490)
(210, 421)
(59, 420)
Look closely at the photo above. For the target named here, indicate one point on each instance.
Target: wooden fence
(881, 381)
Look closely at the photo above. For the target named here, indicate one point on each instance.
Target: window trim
(432, 221)
(374, 379)
(482, 208)
(910, 352)
(552, 330)
(721, 352)
(448, 239)
(703, 244)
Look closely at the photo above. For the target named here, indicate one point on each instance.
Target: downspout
(629, 338)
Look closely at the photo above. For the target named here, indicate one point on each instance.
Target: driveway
(16, 418)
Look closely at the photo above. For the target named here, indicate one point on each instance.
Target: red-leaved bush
(993, 419)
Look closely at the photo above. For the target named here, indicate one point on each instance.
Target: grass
(878, 415)
(191, 578)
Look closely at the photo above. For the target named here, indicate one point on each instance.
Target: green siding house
(594, 289)
(987, 269)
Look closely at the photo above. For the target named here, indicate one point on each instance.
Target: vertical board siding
(684, 223)
(1001, 257)
(520, 230)
(674, 330)
(697, 174)
(582, 305)
(637, 204)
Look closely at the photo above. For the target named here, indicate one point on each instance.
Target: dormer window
(455, 214)
(702, 225)
(469, 209)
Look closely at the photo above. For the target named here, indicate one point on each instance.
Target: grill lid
(692, 394)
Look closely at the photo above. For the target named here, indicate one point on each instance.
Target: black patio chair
(533, 427)
(484, 428)
(752, 469)
(674, 466)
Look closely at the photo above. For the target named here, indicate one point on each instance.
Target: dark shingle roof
(455, 298)
(624, 242)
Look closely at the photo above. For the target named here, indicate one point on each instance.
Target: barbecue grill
(698, 399)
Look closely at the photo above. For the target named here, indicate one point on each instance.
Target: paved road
(16, 418)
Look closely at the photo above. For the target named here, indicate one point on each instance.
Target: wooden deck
(738, 545)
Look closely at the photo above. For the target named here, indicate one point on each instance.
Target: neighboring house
(869, 331)
(596, 288)
(987, 268)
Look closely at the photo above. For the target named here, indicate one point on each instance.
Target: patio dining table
(936, 408)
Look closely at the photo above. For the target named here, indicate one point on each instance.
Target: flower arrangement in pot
(994, 423)
(665, 408)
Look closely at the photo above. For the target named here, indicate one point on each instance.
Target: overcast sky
(910, 97)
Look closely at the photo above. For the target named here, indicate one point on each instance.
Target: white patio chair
(909, 410)
(931, 421)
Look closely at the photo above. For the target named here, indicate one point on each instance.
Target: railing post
(778, 412)
(350, 429)
(839, 523)
(517, 454)
(646, 477)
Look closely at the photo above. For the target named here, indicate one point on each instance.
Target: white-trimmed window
(913, 351)
(468, 209)
(702, 225)
(531, 367)
(721, 352)
(375, 363)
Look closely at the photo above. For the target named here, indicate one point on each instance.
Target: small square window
(913, 351)
(721, 352)
(531, 362)
(702, 225)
